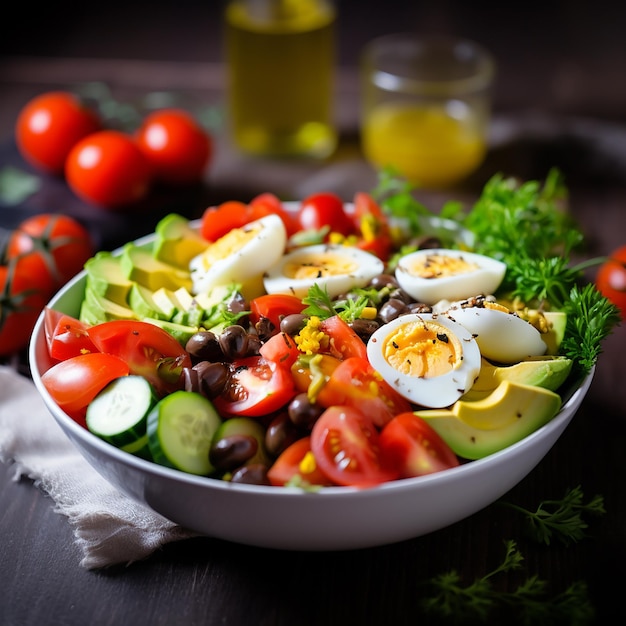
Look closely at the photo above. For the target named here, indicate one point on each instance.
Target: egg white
(501, 336)
(240, 256)
(334, 267)
(433, 391)
(485, 278)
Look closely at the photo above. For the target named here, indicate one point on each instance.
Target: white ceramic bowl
(337, 518)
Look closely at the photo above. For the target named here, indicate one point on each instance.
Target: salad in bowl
(345, 375)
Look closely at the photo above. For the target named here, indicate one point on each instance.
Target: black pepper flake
(443, 337)
(395, 345)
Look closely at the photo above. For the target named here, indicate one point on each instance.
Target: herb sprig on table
(530, 602)
(527, 226)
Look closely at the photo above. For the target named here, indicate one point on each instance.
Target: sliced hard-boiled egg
(501, 335)
(337, 268)
(440, 274)
(429, 359)
(240, 256)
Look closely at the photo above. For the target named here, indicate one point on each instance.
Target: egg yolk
(439, 265)
(229, 244)
(422, 349)
(319, 266)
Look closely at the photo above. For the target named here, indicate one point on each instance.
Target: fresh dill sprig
(529, 603)
(562, 518)
(591, 317)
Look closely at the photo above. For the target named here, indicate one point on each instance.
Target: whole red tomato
(108, 169)
(611, 279)
(324, 209)
(21, 302)
(176, 146)
(57, 244)
(50, 125)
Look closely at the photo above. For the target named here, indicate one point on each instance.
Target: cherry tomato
(22, 299)
(217, 221)
(267, 204)
(611, 279)
(177, 147)
(297, 460)
(344, 341)
(355, 383)
(345, 445)
(59, 244)
(66, 336)
(108, 169)
(414, 448)
(257, 387)
(324, 209)
(75, 382)
(275, 307)
(148, 350)
(50, 125)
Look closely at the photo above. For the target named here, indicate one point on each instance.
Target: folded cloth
(109, 527)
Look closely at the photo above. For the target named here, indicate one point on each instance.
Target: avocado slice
(96, 309)
(139, 265)
(142, 301)
(105, 277)
(549, 372)
(176, 242)
(181, 332)
(476, 429)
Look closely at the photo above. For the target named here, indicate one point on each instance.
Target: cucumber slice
(180, 430)
(118, 414)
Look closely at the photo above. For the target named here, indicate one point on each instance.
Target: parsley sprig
(529, 603)
(320, 304)
(562, 518)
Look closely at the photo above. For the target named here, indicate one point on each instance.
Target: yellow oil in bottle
(280, 58)
(431, 145)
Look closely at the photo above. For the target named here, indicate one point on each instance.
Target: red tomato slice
(280, 349)
(372, 224)
(66, 336)
(257, 387)
(290, 464)
(345, 445)
(75, 382)
(356, 383)
(344, 342)
(275, 307)
(414, 448)
(150, 351)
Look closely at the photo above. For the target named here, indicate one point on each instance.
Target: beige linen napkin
(109, 527)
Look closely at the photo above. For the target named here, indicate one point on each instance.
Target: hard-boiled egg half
(240, 256)
(429, 359)
(337, 268)
(501, 335)
(440, 274)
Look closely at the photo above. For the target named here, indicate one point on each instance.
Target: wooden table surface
(208, 581)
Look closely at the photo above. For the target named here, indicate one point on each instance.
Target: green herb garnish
(561, 518)
(529, 603)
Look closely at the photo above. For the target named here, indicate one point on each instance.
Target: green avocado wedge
(476, 429)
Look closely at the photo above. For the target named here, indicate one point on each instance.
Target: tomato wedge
(149, 350)
(297, 463)
(75, 382)
(355, 383)
(280, 349)
(345, 445)
(344, 342)
(275, 306)
(66, 336)
(257, 387)
(414, 448)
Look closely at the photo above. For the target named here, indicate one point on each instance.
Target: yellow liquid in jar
(426, 144)
(281, 78)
